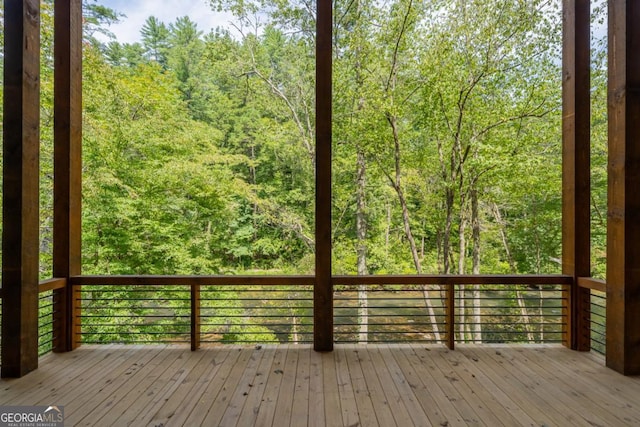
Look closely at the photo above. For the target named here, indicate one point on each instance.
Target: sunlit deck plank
(440, 380)
(257, 387)
(142, 394)
(268, 404)
(376, 389)
(366, 411)
(332, 404)
(46, 381)
(202, 384)
(613, 412)
(392, 395)
(593, 366)
(586, 411)
(489, 410)
(348, 406)
(290, 385)
(437, 407)
(133, 390)
(497, 400)
(94, 378)
(109, 387)
(528, 402)
(243, 389)
(164, 389)
(284, 404)
(548, 395)
(316, 391)
(300, 409)
(248, 360)
(408, 397)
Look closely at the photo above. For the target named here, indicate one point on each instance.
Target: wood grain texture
(52, 284)
(323, 291)
(67, 167)
(576, 172)
(591, 283)
(367, 385)
(195, 317)
(20, 207)
(193, 280)
(623, 217)
(487, 279)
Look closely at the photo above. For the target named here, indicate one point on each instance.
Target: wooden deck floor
(385, 385)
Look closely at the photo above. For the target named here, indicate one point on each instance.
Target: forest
(199, 148)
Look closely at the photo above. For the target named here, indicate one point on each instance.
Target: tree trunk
(446, 239)
(475, 237)
(387, 231)
(462, 248)
(361, 236)
(397, 186)
(512, 266)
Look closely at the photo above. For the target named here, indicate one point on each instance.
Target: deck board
(376, 390)
(300, 411)
(315, 416)
(365, 385)
(268, 403)
(365, 408)
(440, 379)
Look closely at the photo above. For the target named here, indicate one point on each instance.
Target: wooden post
(576, 213)
(451, 316)
(195, 317)
(67, 169)
(20, 208)
(323, 289)
(623, 229)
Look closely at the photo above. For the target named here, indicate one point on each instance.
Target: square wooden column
(67, 185)
(576, 214)
(20, 208)
(323, 289)
(623, 227)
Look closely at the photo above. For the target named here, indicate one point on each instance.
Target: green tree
(155, 39)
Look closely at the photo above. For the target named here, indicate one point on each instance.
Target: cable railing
(45, 322)
(133, 314)
(481, 313)
(510, 314)
(253, 314)
(389, 313)
(267, 310)
(226, 314)
(371, 309)
(598, 321)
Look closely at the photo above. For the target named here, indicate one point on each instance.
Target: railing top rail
(455, 279)
(495, 279)
(132, 280)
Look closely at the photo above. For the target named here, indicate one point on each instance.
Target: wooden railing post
(323, 288)
(21, 150)
(195, 317)
(576, 175)
(451, 316)
(67, 169)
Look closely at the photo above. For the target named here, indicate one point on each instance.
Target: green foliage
(199, 149)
